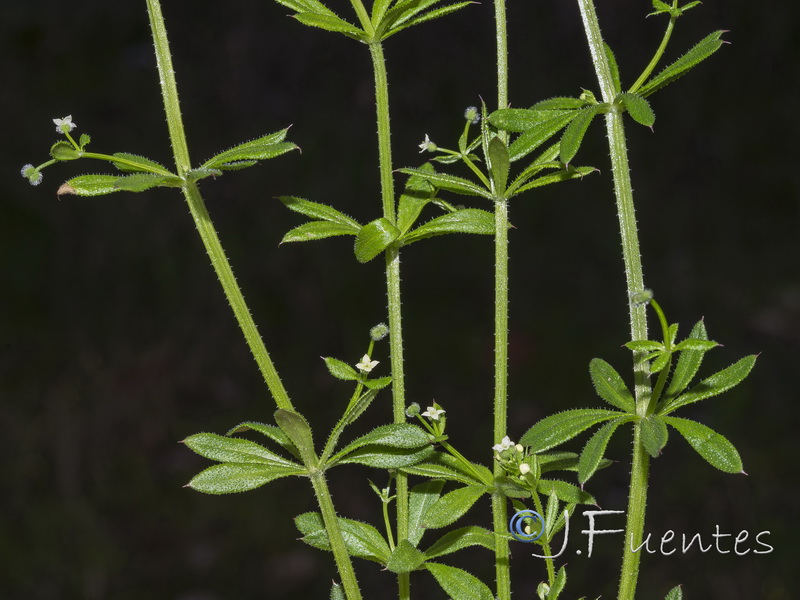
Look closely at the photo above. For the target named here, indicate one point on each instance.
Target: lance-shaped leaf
(231, 478)
(314, 6)
(560, 103)
(337, 592)
(406, 20)
(450, 183)
(379, 383)
(458, 584)
(466, 220)
(387, 457)
(331, 22)
(416, 195)
(133, 163)
(563, 175)
(319, 211)
(560, 427)
(270, 431)
(653, 434)
(397, 435)
(233, 450)
(420, 498)
(99, 185)
(566, 492)
(452, 506)
(674, 594)
(297, 429)
(360, 539)
(374, 238)
(638, 108)
(405, 558)
(388, 447)
(573, 135)
(461, 538)
(510, 488)
(359, 406)
(610, 386)
(444, 466)
(139, 182)
(200, 173)
(268, 146)
(709, 444)
(340, 369)
(688, 364)
(593, 451)
(540, 133)
(614, 68)
(718, 383)
(317, 230)
(518, 120)
(698, 53)
(499, 165)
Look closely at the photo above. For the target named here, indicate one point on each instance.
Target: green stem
(340, 554)
(205, 227)
(656, 57)
(392, 288)
(499, 508)
(551, 570)
(637, 500)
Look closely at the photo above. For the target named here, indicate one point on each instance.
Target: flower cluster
(514, 460)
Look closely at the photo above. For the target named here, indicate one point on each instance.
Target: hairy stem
(499, 507)
(205, 227)
(637, 500)
(392, 288)
(340, 554)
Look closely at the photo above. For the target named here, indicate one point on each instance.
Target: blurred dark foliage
(117, 341)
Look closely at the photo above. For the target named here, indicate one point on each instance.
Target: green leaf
(133, 163)
(675, 593)
(231, 478)
(718, 383)
(374, 238)
(557, 461)
(612, 65)
(698, 53)
(359, 406)
(316, 230)
(387, 457)
(318, 211)
(573, 134)
(564, 175)
(644, 346)
(558, 584)
(360, 539)
(566, 492)
(270, 431)
(709, 444)
(510, 488)
(265, 147)
(421, 497)
(397, 435)
(458, 584)
(200, 173)
(340, 369)
(559, 103)
(594, 449)
(337, 592)
(518, 120)
(540, 133)
(693, 344)
(461, 538)
(233, 450)
(405, 558)
(306, 6)
(452, 506)
(560, 427)
(378, 384)
(654, 434)
(139, 182)
(331, 22)
(416, 195)
(610, 386)
(638, 108)
(84, 140)
(64, 151)
(444, 466)
(379, 8)
(550, 515)
(467, 220)
(90, 185)
(428, 16)
(450, 183)
(688, 364)
(499, 165)
(298, 431)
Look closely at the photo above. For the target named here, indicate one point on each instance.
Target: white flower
(519, 448)
(366, 365)
(524, 468)
(506, 444)
(64, 125)
(427, 144)
(433, 413)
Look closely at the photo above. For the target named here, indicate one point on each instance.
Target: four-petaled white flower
(366, 365)
(64, 125)
(505, 444)
(427, 144)
(433, 413)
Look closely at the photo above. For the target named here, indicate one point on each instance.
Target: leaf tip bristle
(743, 472)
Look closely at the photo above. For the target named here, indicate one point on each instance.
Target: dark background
(117, 341)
